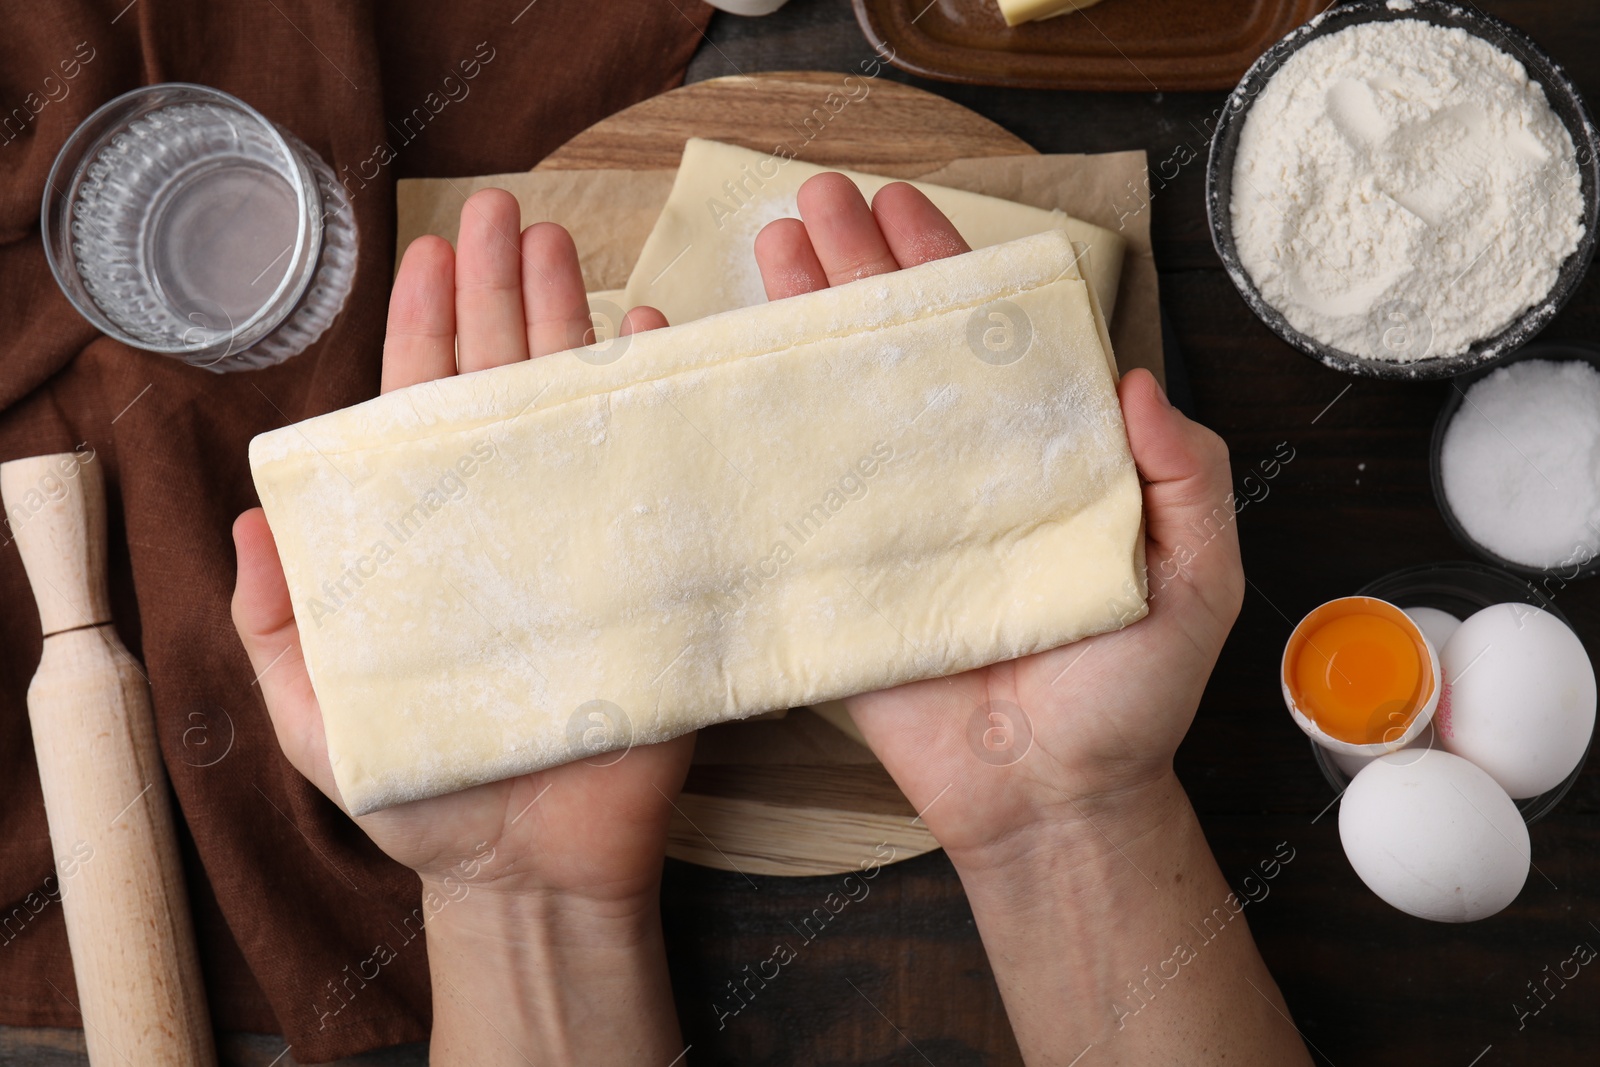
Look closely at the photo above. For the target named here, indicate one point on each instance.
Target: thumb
(1188, 495)
(264, 617)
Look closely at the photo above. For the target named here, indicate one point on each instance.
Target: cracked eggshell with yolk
(1360, 677)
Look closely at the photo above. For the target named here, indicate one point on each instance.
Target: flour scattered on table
(1402, 190)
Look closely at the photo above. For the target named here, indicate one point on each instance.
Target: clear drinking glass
(179, 220)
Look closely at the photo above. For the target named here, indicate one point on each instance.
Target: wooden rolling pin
(105, 788)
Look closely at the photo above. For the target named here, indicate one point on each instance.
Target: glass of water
(179, 220)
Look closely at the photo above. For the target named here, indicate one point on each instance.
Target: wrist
(550, 969)
(497, 885)
(512, 914)
(1084, 836)
(1105, 930)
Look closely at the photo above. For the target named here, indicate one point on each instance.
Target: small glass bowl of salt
(1516, 461)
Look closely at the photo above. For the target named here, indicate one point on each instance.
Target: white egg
(1351, 765)
(1521, 697)
(1434, 836)
(1436, 625)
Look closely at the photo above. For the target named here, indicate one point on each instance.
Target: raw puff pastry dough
(700, 259)
(768, 508)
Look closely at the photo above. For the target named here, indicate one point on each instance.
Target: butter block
(1016, 12)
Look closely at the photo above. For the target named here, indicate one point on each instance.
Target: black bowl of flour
(1400, 323)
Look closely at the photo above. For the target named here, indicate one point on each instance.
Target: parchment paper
(610, 213)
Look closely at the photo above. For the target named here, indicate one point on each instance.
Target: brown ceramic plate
(1126, 45)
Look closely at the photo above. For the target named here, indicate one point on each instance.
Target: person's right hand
(1107, 713)
(1081, 856)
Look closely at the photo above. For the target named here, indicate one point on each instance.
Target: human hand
(568, 858)
(1105, 714)
(1080, 854)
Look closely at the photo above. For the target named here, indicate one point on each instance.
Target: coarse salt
(1403, 190)
(1520, 463)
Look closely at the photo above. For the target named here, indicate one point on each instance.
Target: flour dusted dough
(699, 259)
(768, 508)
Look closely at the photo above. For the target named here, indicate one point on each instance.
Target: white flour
(1402, 190)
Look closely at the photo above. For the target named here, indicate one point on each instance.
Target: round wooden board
(808, 801)
(885, 127)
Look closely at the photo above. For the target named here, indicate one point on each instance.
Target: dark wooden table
(900, 977)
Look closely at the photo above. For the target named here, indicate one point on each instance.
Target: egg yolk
(1359, 676)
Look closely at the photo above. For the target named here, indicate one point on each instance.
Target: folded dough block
(826, 495)
(699, 259)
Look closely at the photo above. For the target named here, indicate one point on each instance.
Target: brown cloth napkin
(289, 897)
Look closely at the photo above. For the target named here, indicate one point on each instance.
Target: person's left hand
(594, 830)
